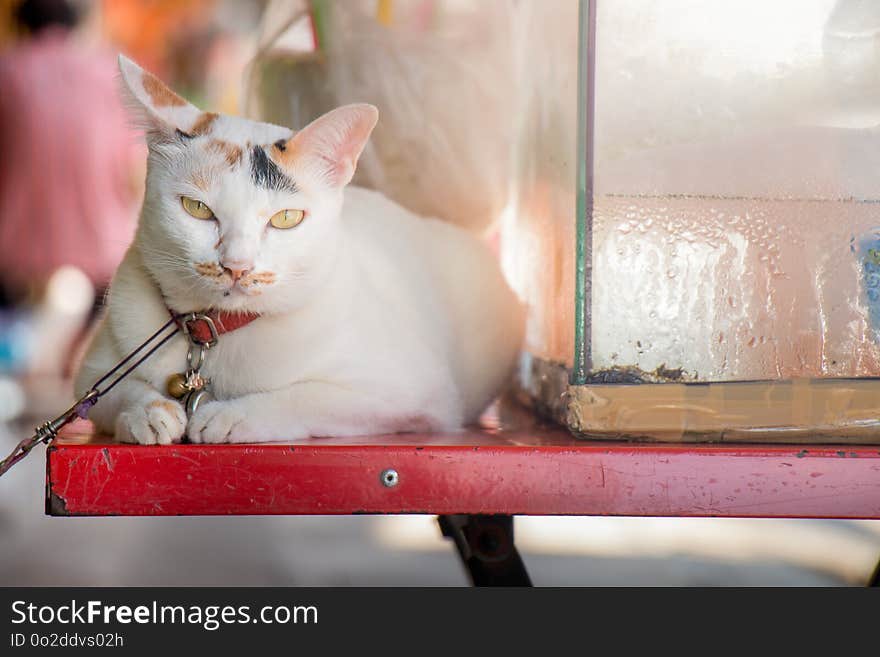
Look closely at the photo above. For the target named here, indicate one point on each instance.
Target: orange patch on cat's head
(203, 124)
(200, 179)
(161, 95)
(284, 152)
(231, 152)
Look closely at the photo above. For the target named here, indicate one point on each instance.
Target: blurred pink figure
(67, 162)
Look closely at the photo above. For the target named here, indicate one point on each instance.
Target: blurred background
(71, 178)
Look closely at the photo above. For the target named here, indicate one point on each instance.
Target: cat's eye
(196, 208)
(287, 218)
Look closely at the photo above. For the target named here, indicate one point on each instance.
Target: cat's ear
(156, 109)
(330, 145)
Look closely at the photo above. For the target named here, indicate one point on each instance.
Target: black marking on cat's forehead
(265, 173)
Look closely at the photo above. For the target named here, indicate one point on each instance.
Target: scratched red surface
(532, 470)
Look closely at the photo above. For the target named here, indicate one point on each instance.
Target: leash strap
(48, 431)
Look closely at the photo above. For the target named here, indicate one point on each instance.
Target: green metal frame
(584, 219)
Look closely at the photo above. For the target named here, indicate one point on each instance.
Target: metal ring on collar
(189, 318)
(195, 356)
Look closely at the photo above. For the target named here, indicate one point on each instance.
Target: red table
(475, 481)
(527, 469)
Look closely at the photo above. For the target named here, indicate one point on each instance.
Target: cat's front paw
(160, 421)
(216, 422)
(237, 421)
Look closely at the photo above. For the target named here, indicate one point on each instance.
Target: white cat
(370, 319)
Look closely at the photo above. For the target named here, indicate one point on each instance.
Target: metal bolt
(389, 478)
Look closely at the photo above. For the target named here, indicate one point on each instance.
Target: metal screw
(389, 478)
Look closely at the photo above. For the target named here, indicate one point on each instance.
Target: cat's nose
(236, 269)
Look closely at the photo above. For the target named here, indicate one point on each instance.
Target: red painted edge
(478, 472)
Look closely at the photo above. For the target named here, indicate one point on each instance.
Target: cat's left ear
(330, 146)
(157, 109)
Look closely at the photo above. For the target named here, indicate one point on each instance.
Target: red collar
(223, 322)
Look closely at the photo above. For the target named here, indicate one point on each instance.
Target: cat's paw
(216, 422)
(237, 421)
(160, 421)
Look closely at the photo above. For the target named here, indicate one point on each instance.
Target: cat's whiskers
(171, 265)
(190, 285)
(296, 274)
(186, 282)
(164, 257)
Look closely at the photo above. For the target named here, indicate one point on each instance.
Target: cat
(369, 319)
